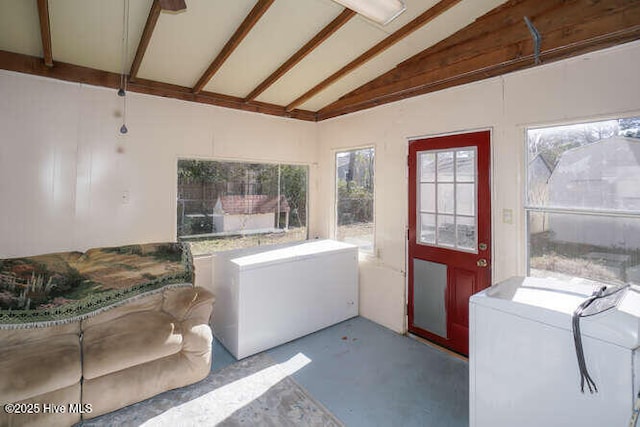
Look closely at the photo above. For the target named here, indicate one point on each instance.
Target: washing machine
(523, 360)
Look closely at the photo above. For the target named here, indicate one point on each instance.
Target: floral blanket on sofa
(67, 285)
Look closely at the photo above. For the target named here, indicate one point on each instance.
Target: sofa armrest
(192, 307)
(189, 303)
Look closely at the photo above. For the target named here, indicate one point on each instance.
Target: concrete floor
(367, 375)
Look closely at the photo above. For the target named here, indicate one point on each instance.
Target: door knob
(482, 262)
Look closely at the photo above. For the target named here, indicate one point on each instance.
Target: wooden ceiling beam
(75, 73)
(45, 32)
(566, 32)
(517, 64)
(149, 26)
(492, 27)
(316, 41)
(483, 36)
(243, 30)
(205, 97)
(509, 13)
(424, 18)
(509, 29)
(551, 22)
(566, 17)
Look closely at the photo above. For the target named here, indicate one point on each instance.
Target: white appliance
(522, 359)
(269, 296)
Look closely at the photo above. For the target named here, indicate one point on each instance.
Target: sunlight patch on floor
(217, 405)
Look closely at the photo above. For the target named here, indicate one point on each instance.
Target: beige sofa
(61, 374)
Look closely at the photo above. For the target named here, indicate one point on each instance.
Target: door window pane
(446, 230)
(428, 228)
(466, 199)
(428, 197)
(427, 167)
(447, 198)
(445, 166)
(466, 232)
(466, 166)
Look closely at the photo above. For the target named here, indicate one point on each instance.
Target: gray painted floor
(367, 375)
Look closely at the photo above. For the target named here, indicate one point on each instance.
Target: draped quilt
(68, 286)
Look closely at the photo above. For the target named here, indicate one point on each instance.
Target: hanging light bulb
(122, 91)
(123, 128)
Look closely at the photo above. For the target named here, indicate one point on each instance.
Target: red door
(449, 234)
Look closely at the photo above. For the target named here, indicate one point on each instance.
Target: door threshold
(438, 347)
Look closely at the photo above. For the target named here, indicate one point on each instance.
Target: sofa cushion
(122, 388)
(151, 302)
(9, 337)
(127, 341)
(39, 367)
(62, 398)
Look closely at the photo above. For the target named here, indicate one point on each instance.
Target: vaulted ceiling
(306, 59)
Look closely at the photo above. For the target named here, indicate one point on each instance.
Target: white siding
(69, 181)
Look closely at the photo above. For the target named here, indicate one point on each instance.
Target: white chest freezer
(523, 364)
(268, 296)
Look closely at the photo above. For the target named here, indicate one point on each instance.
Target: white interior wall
(600, 84)
(64, 168)
(70, 181)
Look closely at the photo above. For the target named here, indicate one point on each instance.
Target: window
(231, 205)
(583, 200)
(354, 197)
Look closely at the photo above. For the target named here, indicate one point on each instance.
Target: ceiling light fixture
(380, 11)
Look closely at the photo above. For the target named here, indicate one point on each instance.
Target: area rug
(252, 392)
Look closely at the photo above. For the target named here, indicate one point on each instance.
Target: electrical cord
(635, 413)
(577, 340)
(590, 307)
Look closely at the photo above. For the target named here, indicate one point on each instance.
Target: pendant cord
(123, 43)
(126, 44)
(125, 54)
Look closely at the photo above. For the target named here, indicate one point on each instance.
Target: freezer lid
(552, 302)
(290, 253)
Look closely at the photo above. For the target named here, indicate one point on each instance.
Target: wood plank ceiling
(304, 59)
